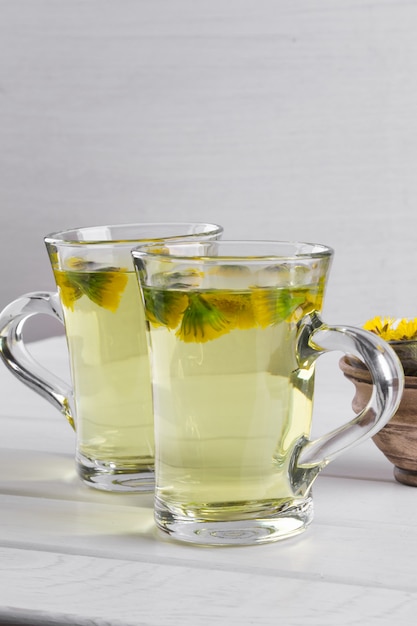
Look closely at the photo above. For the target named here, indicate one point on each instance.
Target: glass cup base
(108, 476)
(283, 524)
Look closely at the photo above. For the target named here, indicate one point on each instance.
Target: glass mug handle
(316, 338)
(20, 362)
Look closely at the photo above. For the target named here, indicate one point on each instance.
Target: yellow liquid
(228, 414)
(111, 379)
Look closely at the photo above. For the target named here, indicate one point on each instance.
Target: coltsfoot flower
(393, 329)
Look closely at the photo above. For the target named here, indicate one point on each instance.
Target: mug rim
(63, 237)
(154, 250)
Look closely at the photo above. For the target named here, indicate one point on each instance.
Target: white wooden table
(73, 555)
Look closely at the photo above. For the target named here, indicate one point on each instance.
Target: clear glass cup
(234, 331)
(109, 402)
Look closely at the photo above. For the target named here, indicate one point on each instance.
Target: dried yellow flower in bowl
(401, 334)
(393, 329)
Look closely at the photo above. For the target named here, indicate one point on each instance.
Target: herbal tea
(109, 364)
(108, 401)
(230, 402)
(234, 330)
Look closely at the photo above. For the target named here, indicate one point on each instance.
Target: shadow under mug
(109, 402)
(234, 332)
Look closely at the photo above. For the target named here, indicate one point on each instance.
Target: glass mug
(109, 402)
(234, 331)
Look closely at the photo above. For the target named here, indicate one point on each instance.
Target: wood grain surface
(73, 555)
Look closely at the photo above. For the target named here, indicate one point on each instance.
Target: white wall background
(280, 119)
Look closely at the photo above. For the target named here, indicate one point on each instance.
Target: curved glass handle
(20, 362)
(388, 381)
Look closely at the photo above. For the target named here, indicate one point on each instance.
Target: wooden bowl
(398, 439)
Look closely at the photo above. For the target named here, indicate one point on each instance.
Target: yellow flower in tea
(200, 316)
(104, 287)
(69, 291)
(236, 308)
(392, 329)
(165, 308)
(202, 321)
(272, 306)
